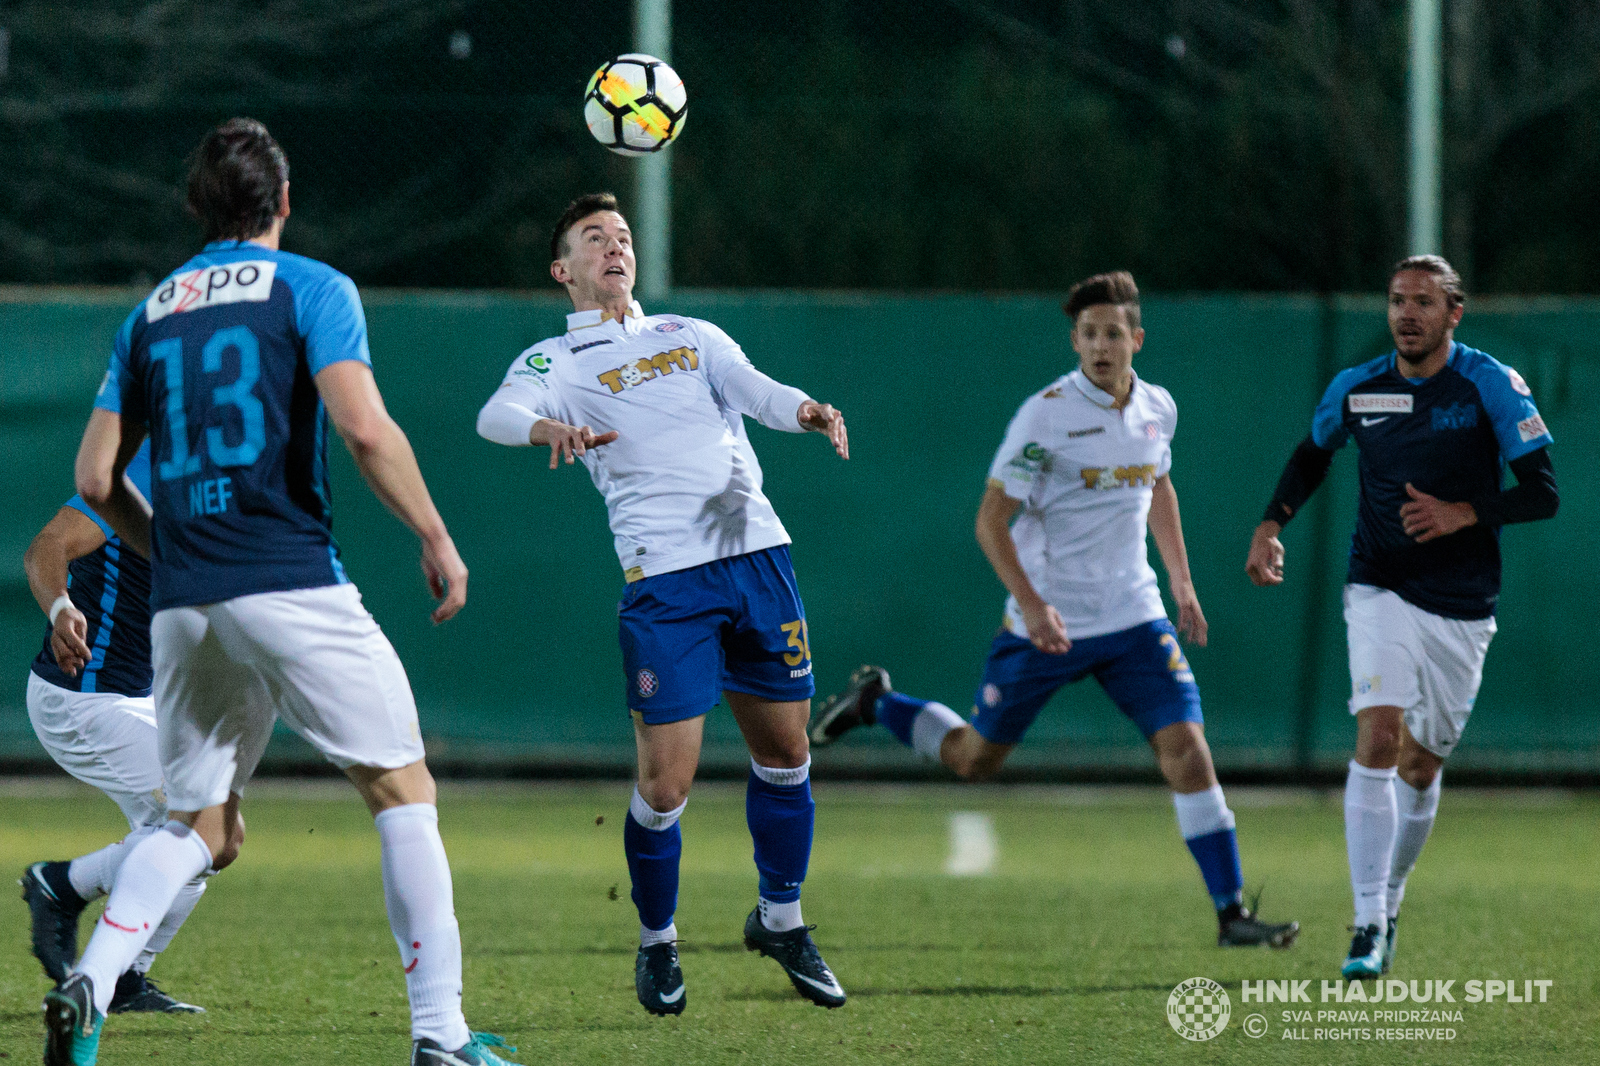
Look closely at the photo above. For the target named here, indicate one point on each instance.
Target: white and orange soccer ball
(635, 104)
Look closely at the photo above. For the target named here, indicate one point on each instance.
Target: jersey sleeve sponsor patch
(1517, 383)
(225, 283)
(1531, 428)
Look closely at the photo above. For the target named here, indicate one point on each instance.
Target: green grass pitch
(1066, 953)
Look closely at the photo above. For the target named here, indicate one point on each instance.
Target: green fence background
(529, 674)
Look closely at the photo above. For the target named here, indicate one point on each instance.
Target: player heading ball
(654, 407)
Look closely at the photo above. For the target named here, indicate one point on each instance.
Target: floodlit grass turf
(1066, 954)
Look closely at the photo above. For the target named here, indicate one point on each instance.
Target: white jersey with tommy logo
(1083, 472)
(681, 483)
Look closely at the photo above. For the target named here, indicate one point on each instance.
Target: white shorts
(1428, 666)
(313, 657)
(103, 739)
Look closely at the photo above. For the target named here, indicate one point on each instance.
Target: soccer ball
(635, 104)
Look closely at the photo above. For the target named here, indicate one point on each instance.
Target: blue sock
(653, 866)
(781, 816)
(896, 711)
(1218, 857)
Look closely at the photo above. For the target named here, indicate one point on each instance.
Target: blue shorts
(728, 624)
(1142, 669)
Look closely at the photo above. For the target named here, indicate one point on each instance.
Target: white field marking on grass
(974, 849)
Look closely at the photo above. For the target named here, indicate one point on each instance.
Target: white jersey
(1084, 473)
(681, 482)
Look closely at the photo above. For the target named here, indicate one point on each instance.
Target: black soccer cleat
(54, 917)
(137, 994)
(852, 706)
(1238, 927)
(658, 979)
(1388, 943)
(797, 954)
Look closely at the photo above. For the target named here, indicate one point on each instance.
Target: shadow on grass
(702, 947)
(964, 991)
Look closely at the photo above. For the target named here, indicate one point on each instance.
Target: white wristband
(63, 601)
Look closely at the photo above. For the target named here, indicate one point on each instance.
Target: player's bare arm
(108, 447)
(69, 535)
(384, 456)
(824, 418)
(566, 441)
(1167, 528)
(1306, 469)
(1046, 629)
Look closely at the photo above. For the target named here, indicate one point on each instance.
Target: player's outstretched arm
(824, 418)
(108, 446)
(1306, 470)
(70, 535)
(384, 456)
(1045, 626)
(1167, 528)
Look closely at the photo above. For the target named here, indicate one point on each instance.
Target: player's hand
(447, 577)
(69, 641)
(1191, 619)
(1046, 629)
(824, 418)
(1265, 564)
(565, 440)
(1428, 518)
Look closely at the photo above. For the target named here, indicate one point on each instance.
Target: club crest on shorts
(647, 683)
(991, 694)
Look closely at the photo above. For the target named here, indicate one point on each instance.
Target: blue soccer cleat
(71, 1024)
(1366, 955)
(1388, 944)
(475, 1052)
(797, 953)
(658, 979)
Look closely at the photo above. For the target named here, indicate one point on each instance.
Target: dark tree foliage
(953, 144)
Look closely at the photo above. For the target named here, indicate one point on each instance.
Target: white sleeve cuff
(506, 422)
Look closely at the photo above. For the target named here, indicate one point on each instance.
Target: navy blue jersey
(1450, 436)
(111, 586)
(219, 362)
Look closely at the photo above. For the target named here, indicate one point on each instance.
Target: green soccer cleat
(71, 1024)
(1388, 944)
(797, 954)
(1366, 955)
(137, 994)
(478, 1051)
(852, 706)
(658, 979)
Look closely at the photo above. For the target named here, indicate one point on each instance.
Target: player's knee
(978, 764)
(1418, 768)
(664, 794)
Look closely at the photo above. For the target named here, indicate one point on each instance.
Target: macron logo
(230, 283)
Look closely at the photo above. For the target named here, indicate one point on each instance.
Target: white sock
(1417, 812)
(92, 875)
(780, 917)
(657, 936)
(650, 818)
(182, 906)
(1369, 832)
(931, 725)
(422, 916)
(151, 877)
(1200, 813)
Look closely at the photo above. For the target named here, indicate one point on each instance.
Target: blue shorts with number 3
(728, 624)
(1142, 669)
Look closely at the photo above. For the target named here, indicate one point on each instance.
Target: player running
(1435, 422)
(1087, 462)
(653, 407)
(90, 705)
(234, 366)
